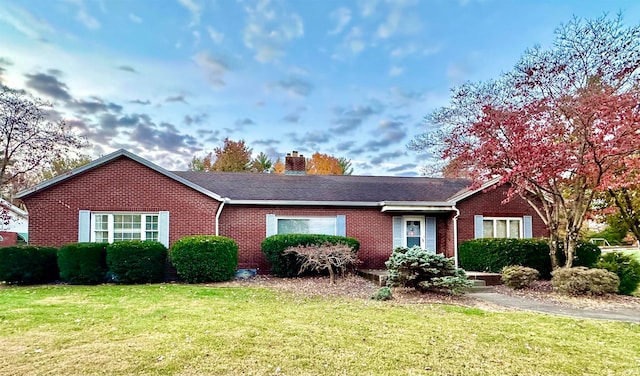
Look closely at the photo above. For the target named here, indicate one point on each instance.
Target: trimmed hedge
(288, 265)
(83, 263)
(204, 258)
(626, 267)
(491, 255)
(26, 265)
(136, 261)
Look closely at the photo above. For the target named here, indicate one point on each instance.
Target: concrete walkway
(626, 315)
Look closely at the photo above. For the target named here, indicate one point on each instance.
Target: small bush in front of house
(205, 258)
(519, 277)
(491, 255)
(83, 263)
(25, 265)
(288, 265)
(333, 258)
(583, 281)
(626, 267)
(587, 254)
(137, 261)
(383, 293)
(425, 271)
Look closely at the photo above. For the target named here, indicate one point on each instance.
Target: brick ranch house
(122, 196)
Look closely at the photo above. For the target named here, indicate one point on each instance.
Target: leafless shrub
(335, 258)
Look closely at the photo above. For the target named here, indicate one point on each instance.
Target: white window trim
(495, 219)
(333, 217)
(110, 226)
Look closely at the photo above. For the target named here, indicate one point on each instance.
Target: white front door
(414, 231)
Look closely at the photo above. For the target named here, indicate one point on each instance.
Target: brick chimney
(294, 164)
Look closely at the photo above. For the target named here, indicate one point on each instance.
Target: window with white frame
(306, 225)
(115, 227)
(502, 227)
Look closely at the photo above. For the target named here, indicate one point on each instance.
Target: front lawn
(189, 330)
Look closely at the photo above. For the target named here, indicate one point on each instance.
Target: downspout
(218, 212)
(455, 236)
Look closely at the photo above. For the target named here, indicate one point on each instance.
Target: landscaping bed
(542, 291)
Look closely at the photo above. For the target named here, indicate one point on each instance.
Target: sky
(170, 79)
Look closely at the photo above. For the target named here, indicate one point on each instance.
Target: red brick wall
(489, 204)
(120, 185)
(374, 229)
(8, 238)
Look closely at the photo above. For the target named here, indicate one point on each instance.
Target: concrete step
(473, 289)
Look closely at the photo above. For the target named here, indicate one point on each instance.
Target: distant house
(14, 225)
(122, 196)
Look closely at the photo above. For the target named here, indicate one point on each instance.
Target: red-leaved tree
(563, 125)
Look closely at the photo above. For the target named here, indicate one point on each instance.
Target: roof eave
(108, 158)
(417, 206)
(13, 208)
(461, 196)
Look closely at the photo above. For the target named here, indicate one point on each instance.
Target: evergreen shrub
(584, 281)
(519, 277)
(626, 267)
(83, 263)
(424, 271)
(491, 255)
(25, 265)
(383, 293)
(137, 261)
(205, 258)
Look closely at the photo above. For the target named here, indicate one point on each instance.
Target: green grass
(192, 330)
(635, 254)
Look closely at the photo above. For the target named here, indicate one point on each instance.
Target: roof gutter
(218, 212)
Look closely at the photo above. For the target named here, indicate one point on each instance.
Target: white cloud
(411, 49)
(134, 18)
(269, 29)
(193, 8)
(354, 40)
(396, 71)
(367, 7)
(196, 37)
(342, 17)
(216, 67)
(216, 36)
(83, 15)
(25, 22)
(399, 21)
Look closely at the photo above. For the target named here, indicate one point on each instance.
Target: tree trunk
(332, 277)
(570, 244)
(628, 212)
(553, 247)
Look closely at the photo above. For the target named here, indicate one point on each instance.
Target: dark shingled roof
(247, 186)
